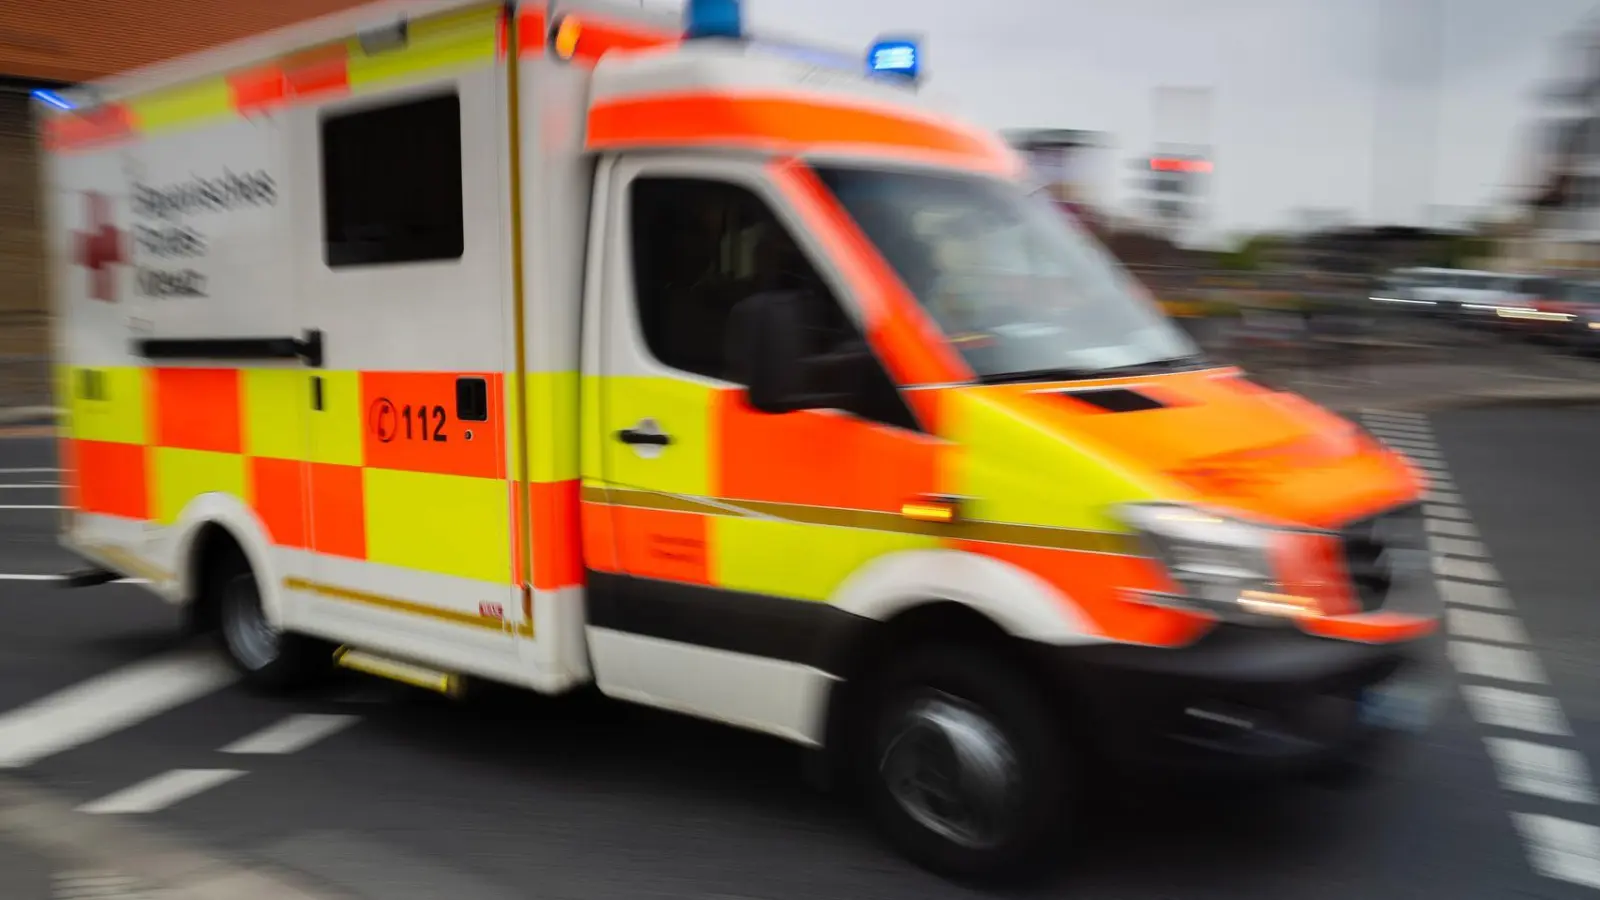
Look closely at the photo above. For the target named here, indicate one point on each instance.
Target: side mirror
(769, 352)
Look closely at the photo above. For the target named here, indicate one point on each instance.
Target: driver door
(727, 526)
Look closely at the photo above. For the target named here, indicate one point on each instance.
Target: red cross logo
(100, 247)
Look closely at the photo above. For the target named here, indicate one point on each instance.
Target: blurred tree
(1250, 254)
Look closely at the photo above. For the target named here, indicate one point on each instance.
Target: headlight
(1224, 565)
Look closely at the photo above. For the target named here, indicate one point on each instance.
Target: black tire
(270, 661)
(967, 682)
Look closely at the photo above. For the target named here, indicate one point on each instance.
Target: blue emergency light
(898, 58)
(51, 98)
(712, 18)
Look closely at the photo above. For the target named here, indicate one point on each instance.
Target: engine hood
(1214, 437)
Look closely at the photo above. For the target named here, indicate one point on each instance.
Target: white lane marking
(1407, 415)
(23, 576)
(1465, 593)
(1454, 546)
(96, 885)
(1541, 770)
(1477, 625)
(291, 735)
(160, 792)
(1427, 453)
(1463, 569)
(1496, 662)
(30, 487)
(1515, 710)
(1432, 466)
(1440, 511)
(1433, 496)
(1440, 483)
(1448, 526)
(1398, 429)
(107, 704)
(30, 471)
(1560, 849)
(30, 506)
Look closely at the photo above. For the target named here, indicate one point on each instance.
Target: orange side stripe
(1094, 582)
(89, 128)
(557, 559)
(198, 409)
(112, 479)
(781, 122)
(773, 459)
(277, 490)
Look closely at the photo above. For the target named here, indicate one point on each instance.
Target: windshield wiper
(1156, 366)
(1038, 375)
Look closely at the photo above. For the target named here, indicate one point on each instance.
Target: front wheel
(965, 766)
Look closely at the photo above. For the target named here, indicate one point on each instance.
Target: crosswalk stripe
(160, 792)
(1516, 710)
(1560, 849)
(107, 704)
(1541, 770)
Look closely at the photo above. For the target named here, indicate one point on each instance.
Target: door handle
(647, 434)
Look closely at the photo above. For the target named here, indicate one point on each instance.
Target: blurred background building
(47, 44)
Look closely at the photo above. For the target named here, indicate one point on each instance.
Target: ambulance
(570, 344)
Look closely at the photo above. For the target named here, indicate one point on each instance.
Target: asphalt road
(394, 795)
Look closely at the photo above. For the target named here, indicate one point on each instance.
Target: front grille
(1378, 548)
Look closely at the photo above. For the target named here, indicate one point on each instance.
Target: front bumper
(1253, 699)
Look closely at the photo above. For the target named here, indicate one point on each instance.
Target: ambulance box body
(554, 345)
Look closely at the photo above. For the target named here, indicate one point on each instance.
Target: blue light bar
(899, 58)
(712, 18)
(51, 98)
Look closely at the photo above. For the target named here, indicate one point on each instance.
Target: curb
(36, 820)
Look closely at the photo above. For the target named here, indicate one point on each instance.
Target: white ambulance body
(363, 355)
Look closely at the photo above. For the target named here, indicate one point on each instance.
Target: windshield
(1015, 284)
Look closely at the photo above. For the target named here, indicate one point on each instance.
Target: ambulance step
(83, 578)
(403, 671)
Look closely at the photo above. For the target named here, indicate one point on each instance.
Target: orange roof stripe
(783, 121)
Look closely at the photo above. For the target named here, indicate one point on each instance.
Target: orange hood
(1227, 441)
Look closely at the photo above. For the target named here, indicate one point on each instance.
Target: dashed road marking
(1493, 661)
(1464, 569)
(1491, 645)
(1451, 527)
(160, 792)
(292, 734)
(97, 885)
(1541, 770)
(31, 506)
(1453, 546)
(26, 576)
(1516, 710)
(1560, 849)
(107, 704)
(1477, 625)
(1464, 593)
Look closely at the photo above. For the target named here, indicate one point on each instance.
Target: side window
(700, 247)
(391, 183)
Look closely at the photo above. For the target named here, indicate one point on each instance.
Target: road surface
(393, 795)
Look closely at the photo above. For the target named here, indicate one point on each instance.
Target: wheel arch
(942, 595)
(210, 526)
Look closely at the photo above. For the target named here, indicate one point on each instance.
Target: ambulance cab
(567, 344)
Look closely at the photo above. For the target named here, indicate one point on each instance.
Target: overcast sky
(1316, 103)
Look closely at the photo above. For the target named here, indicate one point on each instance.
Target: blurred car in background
(1576, 322)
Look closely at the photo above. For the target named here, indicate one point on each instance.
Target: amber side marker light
(941, 510)
(565, 39)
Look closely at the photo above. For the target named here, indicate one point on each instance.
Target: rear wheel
(965, 767)
(270, 659)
